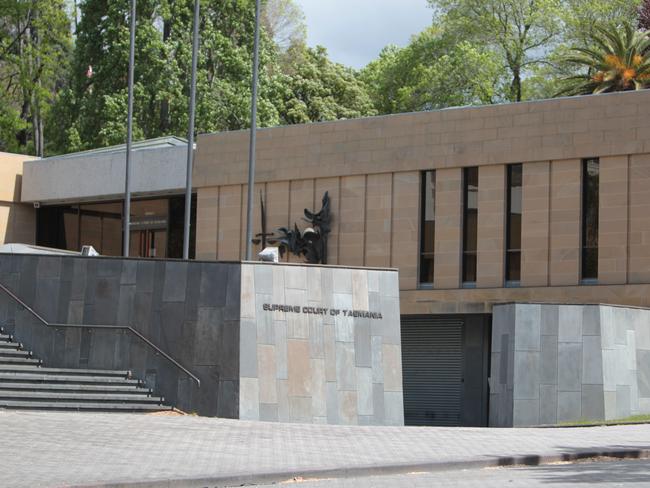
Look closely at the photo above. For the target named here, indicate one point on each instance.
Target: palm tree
(619, 61)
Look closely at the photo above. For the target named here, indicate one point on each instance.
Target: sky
(355, 31)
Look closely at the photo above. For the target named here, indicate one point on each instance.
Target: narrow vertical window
(590, 183)
(470, 224)
(513, 224)
(427, 226)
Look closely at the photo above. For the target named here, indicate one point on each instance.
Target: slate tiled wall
(563, 363)
(300, 367)
(189, 309)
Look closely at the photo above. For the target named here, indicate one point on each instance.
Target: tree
(284, 22)
(34, 45)
(433, 71)
(519, 31)
(93, 104)
(317, 89)
(620, 62)
(578, 20)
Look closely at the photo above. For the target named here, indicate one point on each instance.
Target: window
(156, 227)
(513, 224)
(590, 183)
(427, 226)
(470, 224)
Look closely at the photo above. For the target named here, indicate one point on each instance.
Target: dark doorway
(445, 366)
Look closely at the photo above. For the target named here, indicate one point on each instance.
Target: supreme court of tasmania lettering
(521, 233)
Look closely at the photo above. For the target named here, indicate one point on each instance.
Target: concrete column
(612, 220)
(639, 244)
(565, 229)
(404, 245)
(535, 224)
(378, 222)
(491, 226)
(351, 220)
(449, 232)
(230, 222)
(207, 211)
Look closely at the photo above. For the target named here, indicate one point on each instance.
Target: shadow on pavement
(620, 472)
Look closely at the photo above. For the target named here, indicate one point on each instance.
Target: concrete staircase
(26, 384)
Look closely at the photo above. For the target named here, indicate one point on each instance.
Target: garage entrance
(445, 366)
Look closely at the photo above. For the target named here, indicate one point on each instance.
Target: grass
(627, 420)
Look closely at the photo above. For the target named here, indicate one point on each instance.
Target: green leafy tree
(34, 45)
(578, 21)
(316, 89)
(433, 71)
(520, 32)
(619, 62)
(92, 107)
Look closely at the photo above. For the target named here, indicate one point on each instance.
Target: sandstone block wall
(315, 365)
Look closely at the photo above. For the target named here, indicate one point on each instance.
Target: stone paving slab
(47, 449)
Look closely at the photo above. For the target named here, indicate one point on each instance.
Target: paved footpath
(84, 449)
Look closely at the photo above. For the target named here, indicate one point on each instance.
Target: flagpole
(190, 134)
(129, 138)
(251, 149)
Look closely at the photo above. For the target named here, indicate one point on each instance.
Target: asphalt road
(600, 474)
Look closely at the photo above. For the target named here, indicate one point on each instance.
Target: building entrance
(445, 367)
(148, 243)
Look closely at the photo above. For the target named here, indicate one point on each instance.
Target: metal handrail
(97, 326)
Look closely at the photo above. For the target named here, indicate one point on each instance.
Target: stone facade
(189, 309)
(564, 363)
(371, 168)
(210, 317)
(320, 367)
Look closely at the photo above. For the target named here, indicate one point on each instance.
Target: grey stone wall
(563, 363)
(321, 368)
(189, 309)
(625, 342)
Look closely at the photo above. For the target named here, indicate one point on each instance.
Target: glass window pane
(470, 223)
(513, 222)
(426, 269)
(427, 226)
(469, 267)
(101, 227)
(513, 266)
(590, 202)
(590, 263)
(91, 231)
(71, 223)
(471, 229)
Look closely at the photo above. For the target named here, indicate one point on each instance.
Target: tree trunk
(515, 87)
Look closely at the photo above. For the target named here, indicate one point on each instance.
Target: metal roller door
(432, 366)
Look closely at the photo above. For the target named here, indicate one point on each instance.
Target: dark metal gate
(445, 363)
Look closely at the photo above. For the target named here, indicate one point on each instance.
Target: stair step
(6, 337)
(15, 353)
(33, 374)
(114, 407)
(79, 397)
(18, 362)
(76, 387)
(10, 345)
(79, 372)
